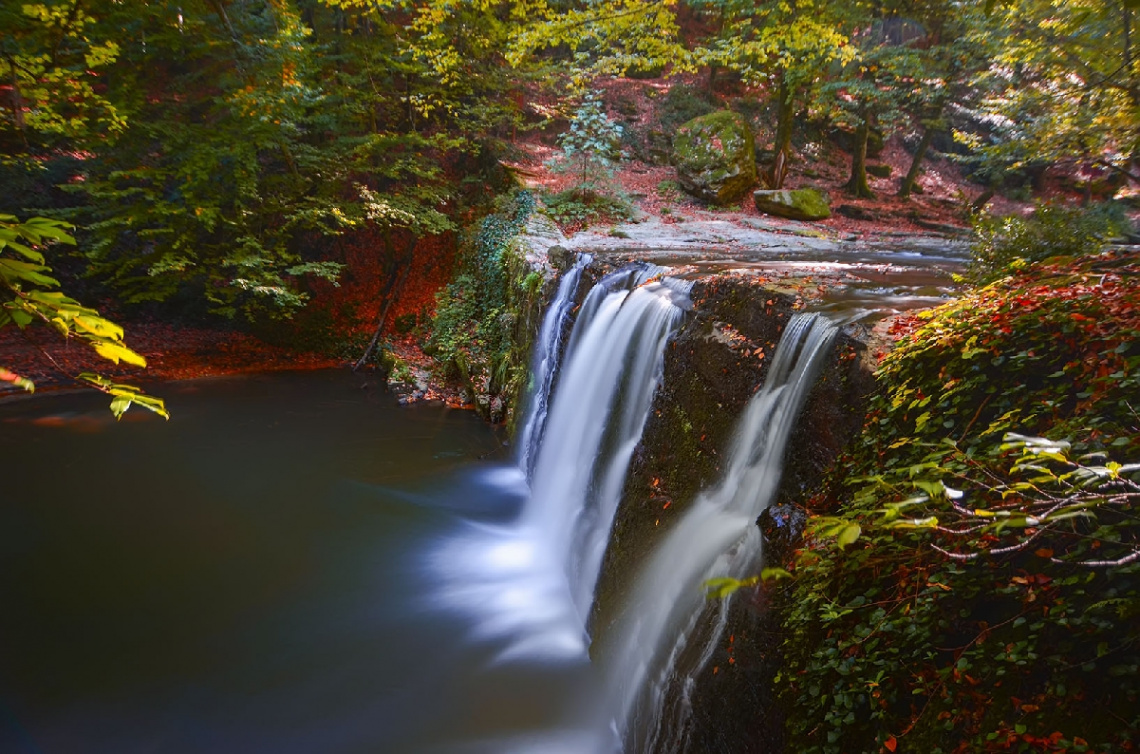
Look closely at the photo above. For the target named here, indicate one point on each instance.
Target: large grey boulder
(715, 157)
(794, 204)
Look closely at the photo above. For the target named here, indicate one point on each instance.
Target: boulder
(794, 204)
(715, 157)
(879, 171)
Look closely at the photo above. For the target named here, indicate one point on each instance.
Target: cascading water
(545, 363)
(527, 585)
(530, 583)
(612, 369)
(654, 646)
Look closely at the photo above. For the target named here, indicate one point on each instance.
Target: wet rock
(560, 257)
(498, 410)
(715, 157)
(713, 366)
(794, 204)
(783, 528)
(950, 230)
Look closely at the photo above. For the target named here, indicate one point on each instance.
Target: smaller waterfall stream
(648, 649)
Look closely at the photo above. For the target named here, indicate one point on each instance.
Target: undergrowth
(485, 318)
(987, 591)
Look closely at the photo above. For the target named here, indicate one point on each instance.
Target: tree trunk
(857, 184)
(394, 288)
(983, 199)
(916, 164)
(783, 141)
(1126, 22)
(17, 101)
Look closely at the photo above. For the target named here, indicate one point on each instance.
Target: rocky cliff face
(714, 364)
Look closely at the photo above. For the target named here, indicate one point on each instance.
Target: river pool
(250, 577)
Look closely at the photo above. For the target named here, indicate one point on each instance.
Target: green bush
(590, 148)
(1002, 243)
(579, 207)
(485, 318)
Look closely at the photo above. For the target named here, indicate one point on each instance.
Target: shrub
(1052, 230)
(486, 317)
(590, 149)
(988, 598)
(577, 208)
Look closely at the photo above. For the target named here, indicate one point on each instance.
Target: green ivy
(486, 317)
(989, 598)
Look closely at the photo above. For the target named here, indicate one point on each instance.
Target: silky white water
(545, 363)
(716, 537)
(529, 583)
(526, 586)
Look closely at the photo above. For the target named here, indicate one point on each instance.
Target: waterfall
(527, 584)
(656, 645)
(545, 363)
(612, 368)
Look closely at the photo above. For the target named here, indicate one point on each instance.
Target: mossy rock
(795, 204)
(879, 171)
(715, 157)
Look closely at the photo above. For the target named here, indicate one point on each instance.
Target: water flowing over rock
(527, 584)
(612, 368)
(652, 653)
(545, 363)
(715, 157)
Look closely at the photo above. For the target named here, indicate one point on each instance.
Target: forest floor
(940, 210)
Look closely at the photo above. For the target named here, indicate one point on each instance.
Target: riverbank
(172, 352)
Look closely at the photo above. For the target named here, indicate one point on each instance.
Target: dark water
(248, 577)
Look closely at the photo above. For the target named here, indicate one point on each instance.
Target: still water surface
(249, 577)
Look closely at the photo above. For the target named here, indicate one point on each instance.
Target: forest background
(302, 170)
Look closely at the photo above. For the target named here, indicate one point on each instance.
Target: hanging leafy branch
(33, 300)
(1047, 496)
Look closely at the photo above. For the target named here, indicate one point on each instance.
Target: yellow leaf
(115, 352)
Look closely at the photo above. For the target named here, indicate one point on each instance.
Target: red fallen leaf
(891, 744)
(1044, 552)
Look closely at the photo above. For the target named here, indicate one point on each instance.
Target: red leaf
(891, 744)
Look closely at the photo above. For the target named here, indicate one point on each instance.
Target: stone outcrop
(793, 204)
(715, 157)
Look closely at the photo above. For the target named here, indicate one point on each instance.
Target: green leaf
(774, 574)
(848, 535)
(14, 271)
(722, 587)
(119, 405)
